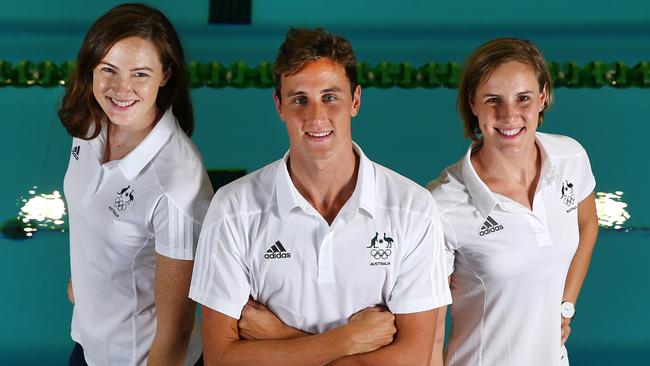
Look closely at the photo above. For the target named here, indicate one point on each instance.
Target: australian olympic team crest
(380, 249)
(568, 197)
(122, 201)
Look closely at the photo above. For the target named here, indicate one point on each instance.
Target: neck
(514, 175)
(326, 184)
(122, 140)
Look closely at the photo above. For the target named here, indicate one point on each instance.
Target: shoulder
(394, 191)
(251, 193)
(449, 190)
(181, 173)
(559, 146)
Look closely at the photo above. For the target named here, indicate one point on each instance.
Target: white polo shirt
(509, 263)
(121, 213)
(262, 238)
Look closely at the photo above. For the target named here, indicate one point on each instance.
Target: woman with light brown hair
(137, 192)
(518, 213)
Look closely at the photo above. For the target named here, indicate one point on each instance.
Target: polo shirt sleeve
(588, 182)
(421, 283)
(449, 246)
(177, 232)
(220, 279)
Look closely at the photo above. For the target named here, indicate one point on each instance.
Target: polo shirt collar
(97, 144)
(549, 173)
(133, 163)
(484, 198)
(363, 197)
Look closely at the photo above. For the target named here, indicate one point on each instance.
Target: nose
(317, 113)
(508, 112)
(121, 86)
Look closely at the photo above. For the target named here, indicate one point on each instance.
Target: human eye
(492, 100)
(106, 69)
(300, 100)
(328, 98)
(524, 98)
(141, 74)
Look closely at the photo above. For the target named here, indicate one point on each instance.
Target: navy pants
(77, 357)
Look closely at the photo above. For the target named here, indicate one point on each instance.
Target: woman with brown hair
(137, 192)
(518, 213)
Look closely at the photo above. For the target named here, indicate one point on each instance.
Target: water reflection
(38, 212)
(611, 210)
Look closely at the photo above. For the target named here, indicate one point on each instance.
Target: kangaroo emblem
(124, 198)
(567, 189)
(373, 242)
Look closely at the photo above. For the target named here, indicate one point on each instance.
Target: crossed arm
(369, 338)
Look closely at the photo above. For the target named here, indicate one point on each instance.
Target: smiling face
(126, 82)
(317, 107)
(507, 105)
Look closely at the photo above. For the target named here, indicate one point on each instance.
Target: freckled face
(507, 105)
(317, 107)
(126, 82)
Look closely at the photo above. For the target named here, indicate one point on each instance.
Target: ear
(278, 105)
(356, 101)
(166, 75)
(542, 98)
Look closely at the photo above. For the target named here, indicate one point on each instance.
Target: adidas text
(491, 230)
(277, 255)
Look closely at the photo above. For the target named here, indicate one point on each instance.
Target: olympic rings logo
(121, 205)
(570, 200)
(380, 253)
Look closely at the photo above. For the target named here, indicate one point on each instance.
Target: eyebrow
(134, 69)
(334, 89)
(490, 95)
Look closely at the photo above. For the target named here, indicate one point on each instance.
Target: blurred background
(414, 131)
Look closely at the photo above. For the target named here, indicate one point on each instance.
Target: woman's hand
(70, 293)
(566, 329)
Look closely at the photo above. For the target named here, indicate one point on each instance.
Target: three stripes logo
(75, 152)
(277, 251)
(490, 226)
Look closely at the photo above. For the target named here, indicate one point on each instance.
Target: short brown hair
(480, 65)
(79, 108)
(307, 45)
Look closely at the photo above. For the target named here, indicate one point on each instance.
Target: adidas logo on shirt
(490, 226)
(277, 251)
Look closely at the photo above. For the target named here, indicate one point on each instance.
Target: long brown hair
(79, 109)
(485, 59)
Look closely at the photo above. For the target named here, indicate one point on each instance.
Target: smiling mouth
(319, 134)
(122, 104)
(510, 132)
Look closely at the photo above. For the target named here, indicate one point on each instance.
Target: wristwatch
(568, 310)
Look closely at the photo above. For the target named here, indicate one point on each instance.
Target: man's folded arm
(412, 345)
(222, 345)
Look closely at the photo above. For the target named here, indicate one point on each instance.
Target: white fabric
(325, 273)
(507, 284)
(121, 214)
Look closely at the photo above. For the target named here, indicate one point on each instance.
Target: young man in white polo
(345, 254)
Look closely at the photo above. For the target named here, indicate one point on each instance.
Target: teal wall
(413, 131)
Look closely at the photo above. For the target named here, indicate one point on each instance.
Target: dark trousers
(77, 357)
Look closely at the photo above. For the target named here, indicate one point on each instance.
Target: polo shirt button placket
(325, 260)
